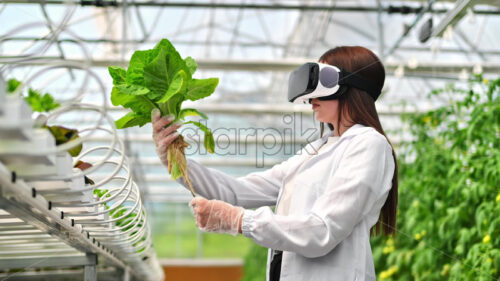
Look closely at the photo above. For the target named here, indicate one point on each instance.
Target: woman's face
(326, 110)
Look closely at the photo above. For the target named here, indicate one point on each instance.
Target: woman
(327, 201)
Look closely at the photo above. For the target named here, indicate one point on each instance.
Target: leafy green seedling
(45, 103)
(39, 102)
(12, 85)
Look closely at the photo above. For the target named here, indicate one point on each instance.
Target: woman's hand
(217, 216)
(162, 136)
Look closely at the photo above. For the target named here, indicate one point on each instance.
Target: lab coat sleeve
(253, 190)
(363, 176)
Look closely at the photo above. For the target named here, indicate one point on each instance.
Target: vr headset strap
(356, 81)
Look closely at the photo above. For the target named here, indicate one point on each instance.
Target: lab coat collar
(355, 129)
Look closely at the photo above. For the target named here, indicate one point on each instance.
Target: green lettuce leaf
(208, 140)
(175, 63)
(191, 112)
(172, 106)
(201, 88)
(131, 89)
(156, 76)
(191, 64)
(135, 71)
(177, 86)
(118, 74)
(132, 119)
(140, 104)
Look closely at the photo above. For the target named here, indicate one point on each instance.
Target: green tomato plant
(449, 196)
(160, 78)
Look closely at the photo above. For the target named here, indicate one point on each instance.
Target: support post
(90, 270)
(126, 275)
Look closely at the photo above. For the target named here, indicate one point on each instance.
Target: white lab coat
(336, 199)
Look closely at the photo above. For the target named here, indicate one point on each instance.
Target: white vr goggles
(325, 82)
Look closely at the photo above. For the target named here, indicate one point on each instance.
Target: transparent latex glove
(162, 136)
(217, 216)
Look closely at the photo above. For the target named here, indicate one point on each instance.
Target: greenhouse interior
(91, 190)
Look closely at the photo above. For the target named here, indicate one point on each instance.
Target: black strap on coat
(275, 267)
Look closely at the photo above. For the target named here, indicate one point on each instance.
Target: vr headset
(325, 82)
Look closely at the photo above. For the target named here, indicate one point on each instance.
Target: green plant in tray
(44, 103)
(38, 102)
(160, 78)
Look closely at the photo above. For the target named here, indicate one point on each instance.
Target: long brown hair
(359, 107)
